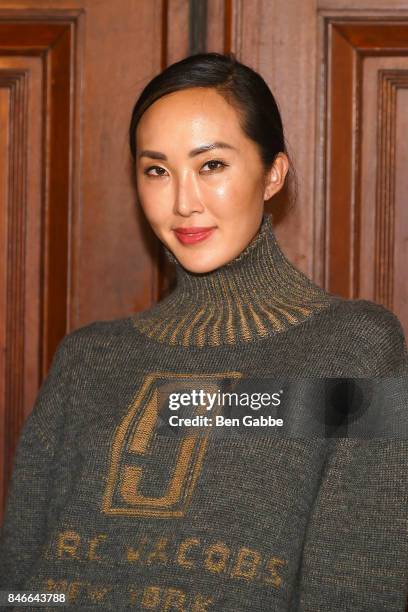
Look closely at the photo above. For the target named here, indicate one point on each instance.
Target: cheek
(238, 190)
(220, 192)
(151, 200)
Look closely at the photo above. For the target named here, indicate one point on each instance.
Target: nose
(186, 197)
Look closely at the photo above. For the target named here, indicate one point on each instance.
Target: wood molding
(14, 85)
(52, 36)
(347, 40)
(389, 81)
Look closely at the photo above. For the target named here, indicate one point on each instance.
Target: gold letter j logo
(134, 445)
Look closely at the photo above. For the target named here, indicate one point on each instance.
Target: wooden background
(74, 245)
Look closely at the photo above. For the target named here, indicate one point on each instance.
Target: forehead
(190, 114)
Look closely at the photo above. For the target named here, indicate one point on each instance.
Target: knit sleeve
(25, 516)
(356, 550)
(355, 555)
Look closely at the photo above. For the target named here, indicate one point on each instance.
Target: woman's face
(200, 179)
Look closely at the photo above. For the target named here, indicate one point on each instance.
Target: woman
(105, 508)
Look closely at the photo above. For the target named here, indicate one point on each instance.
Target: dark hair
(241, 86)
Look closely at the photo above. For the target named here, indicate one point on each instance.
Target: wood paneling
(367, 67)
(342, 211)
(15, 83)
(278, 39)
(384, 162)
(389, 83)
(115, 252)
(36, 77)
(175, 31)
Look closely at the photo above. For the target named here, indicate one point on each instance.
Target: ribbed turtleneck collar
(257, 294)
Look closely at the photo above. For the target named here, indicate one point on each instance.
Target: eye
(159, 171)
(214, 165)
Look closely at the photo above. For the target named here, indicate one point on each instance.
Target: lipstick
(191, 235)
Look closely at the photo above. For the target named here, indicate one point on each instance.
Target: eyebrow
(192, 153)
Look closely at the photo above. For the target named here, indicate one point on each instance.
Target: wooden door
(74, 246)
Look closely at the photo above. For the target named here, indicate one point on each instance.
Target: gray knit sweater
(119, 517)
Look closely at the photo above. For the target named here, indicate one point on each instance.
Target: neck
(257, 294)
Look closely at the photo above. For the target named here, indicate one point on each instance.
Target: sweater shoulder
(376, 331)
(368, 316)
(96, 334)
(74, 358)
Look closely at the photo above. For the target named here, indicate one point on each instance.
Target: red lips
(192, 230)
(190, 235)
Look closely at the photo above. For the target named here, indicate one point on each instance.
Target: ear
(275, 177)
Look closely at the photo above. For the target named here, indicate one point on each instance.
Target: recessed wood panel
(36, 76)
(20, 207)
(367, 65)
(383, 180)
(54, 43)
(22, 210)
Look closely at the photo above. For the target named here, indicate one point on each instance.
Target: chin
(200, 266)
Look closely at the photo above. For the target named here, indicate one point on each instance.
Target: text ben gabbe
(208, 401)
